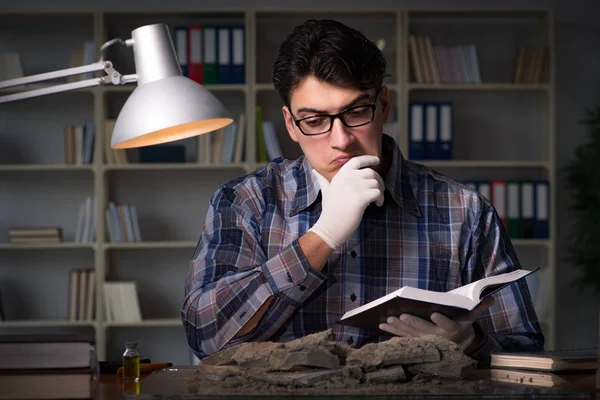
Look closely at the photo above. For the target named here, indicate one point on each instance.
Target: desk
(111, 388)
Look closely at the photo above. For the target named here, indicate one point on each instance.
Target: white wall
(578, 86)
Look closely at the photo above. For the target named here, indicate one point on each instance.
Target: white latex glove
(345, 199)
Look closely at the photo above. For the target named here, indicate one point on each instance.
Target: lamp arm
(98, 66)
(112, 77)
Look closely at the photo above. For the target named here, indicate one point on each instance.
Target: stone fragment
(311, 341)
(222, 357)
(354, 372)
(387, 375)
(453, 360)
(316, 358)
(218, 372)
(255, 355)
(297, 379)
(397, 350)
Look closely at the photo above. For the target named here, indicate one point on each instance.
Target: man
(287, 250)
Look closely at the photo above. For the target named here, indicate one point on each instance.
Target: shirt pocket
(444, 266)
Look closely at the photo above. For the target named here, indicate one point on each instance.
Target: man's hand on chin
(459, 330)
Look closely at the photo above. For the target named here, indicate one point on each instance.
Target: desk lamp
(166, 106)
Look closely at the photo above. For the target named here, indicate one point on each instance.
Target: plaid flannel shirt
(431, 232)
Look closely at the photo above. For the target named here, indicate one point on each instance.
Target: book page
(443, 298)
(475, 289)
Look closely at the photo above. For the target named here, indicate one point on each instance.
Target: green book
(261, 146)
(209, 61)
(513, 209)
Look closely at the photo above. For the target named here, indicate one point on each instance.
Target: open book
(422, 303)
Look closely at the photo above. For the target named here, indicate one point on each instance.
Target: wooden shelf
(213, 88)
(264, 87)
(172, 166)
(531, 242)
(46, 323)
(45, 167)
(483, 164)
(175, 322)
(483, 87)
(268, 87)
(151, 245)
(40, 246)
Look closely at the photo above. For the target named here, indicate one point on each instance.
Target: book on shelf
(442, 64)
(11, 66)
(267, 141)
(82, 295)
(121, 302)
(223, 146)
(83, 56)
(122, 223)
(35, 234)
(85, 231)
(522, 205)
(422, 303)
(550, 361)
(2, 313)
(79, 143)
(112, 156)
(211, 54)
(531, 65)
(431, 130)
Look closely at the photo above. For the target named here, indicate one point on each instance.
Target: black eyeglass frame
(332, 117)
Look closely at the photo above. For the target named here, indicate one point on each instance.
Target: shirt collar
(307, 188)
(398, 181)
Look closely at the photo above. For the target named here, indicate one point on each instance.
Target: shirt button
(302, 288)
(353, 297)
(350, 340)
(353, 254)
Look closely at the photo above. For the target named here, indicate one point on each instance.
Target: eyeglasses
(352, 117)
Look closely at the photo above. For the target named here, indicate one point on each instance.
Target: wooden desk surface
(112, 388)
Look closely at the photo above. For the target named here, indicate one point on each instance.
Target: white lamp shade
(165, 110)
(166, 106)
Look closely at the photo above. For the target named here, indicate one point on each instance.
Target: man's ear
(385, 103)
(289, 123)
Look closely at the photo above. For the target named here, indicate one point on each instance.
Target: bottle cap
(131, 345)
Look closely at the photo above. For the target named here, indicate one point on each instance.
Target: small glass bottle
(131, 362)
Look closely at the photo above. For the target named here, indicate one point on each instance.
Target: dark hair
(331, 52)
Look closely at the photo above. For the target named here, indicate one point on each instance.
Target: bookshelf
(172, 198)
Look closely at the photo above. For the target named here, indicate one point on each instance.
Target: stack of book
(547, 368)
(34, 234)
(442, 64)
(85, 232)
(79, 143)
(531, 65)
(48, 367)
(121, 303)
(122, 223)
(82, 295)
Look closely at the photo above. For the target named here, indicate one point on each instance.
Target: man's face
(327, 153)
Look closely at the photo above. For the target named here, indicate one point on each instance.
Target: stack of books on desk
(543, 368)
(47, 367)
